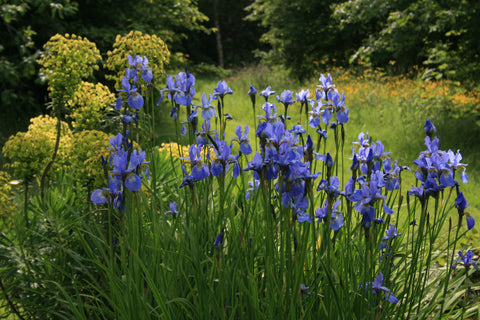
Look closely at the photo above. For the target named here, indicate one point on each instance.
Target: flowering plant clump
(139, 44)
(88, 104)
(29, 151)
(65, 62)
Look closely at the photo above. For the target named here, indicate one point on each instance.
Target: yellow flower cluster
(87, 105)
(177, 151)
(6, 199)
(85, 152)
(174, 149)
(30, 151)
(67, 60)
(140, 44)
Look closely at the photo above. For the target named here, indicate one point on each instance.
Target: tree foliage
(239, 37)
(439, 36)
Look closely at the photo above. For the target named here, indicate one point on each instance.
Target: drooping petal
(236, 169)
(99, 196)
(133, 182)
(336, 221)
(216, 168)
(118, 104)
(200, 171)
(135, 101)
(470, 222)
(147, 75)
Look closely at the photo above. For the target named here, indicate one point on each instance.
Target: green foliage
(136, 43)
(29, 152)
(86, 107)
(66, 61)
(440, 35)
(30, 276)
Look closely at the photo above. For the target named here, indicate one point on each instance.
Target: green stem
(54, 155)
(25, 203)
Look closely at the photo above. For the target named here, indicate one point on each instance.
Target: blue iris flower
(199, 168)
(302, 96)
(183, 100)
(254, 184)
(188, 180)
(303, 216)
(298, 129)
(173, 210)
(220, 239)
(365, 197)
(331, 187)
(243, 139)
(326, 82)
(315, 114)
(391, 234)
(336, 217)
(223, 159)
(171, 88)
(252, 91)
(125, 172)
(429, 128)
(201, 138)
(466, 260)
(339, 105)
(286, 98)
(267, 92)
(134, 98)
(454, 163)
(112, 194)
(186, 83)
(208, 110)
(221, 90)
(256, 165)
(136, 62)
(376, 288)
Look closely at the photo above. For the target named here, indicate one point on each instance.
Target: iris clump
(286, 192)
(225, 228)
